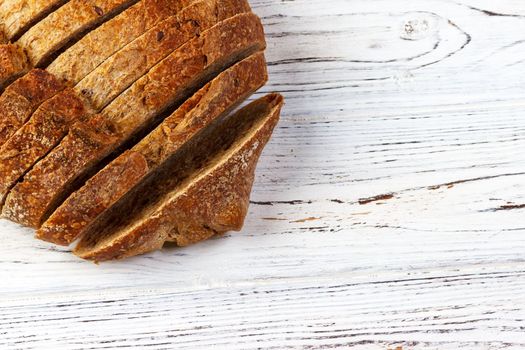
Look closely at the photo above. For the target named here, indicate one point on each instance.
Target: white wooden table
(388, 211)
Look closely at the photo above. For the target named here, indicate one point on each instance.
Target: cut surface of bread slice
(209, 105)
(13, 64)
(41, 133)
(121, 70)
(144, 104)
(23, 97)
(193, 198)
(66, 25)
(19, 15)
(89, 52)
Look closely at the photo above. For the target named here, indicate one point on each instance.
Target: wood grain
(388, 209)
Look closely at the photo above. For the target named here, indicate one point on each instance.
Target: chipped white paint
(388, 209)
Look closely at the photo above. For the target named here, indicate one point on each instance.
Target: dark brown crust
(122, 69)
(39, 135)
(218, 97)
(23, 97)
(214, 202)
(130, 24)
(65, 24)
(13, 64)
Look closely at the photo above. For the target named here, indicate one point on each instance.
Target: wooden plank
(388, 209)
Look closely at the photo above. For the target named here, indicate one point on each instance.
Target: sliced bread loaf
(209, 105)
(144, 104)
(23, 97)
(193, 198)
(101, 43)
(129, 64)
(66, 25)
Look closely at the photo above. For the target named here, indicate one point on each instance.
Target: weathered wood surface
(388, 210)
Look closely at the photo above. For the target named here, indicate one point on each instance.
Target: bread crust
(211, 102)
(38, 136)
(23, 97)
(121, 70)
(13, 64)
(101, 43)
(213, 201)
(66, 24)
(18, 15)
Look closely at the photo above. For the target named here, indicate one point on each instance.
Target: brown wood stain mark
(361, 213)
(381, 197)
(510, 206)
(307, 219)
(275, 219)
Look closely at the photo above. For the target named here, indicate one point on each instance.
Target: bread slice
(66, 25)
(192, 198)
(31, 142)
(209, 105)
(13, 64)
(101, 43)
(23, 97)
(20, 15)
(145, 103)
(129, 64)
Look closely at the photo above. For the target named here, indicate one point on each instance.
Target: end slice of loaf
(197, 198)
(121, 70)
(141, 106)
(93, 49)
(23, 97)
(30, 143)
(18, 16)
(13, 64)
(209, 105)
(66, 25)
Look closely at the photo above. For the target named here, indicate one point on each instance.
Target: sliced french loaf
(94, 48)
(66, 25)
(195, 196)
(141, 106)
(120, 71)
(210, 105)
